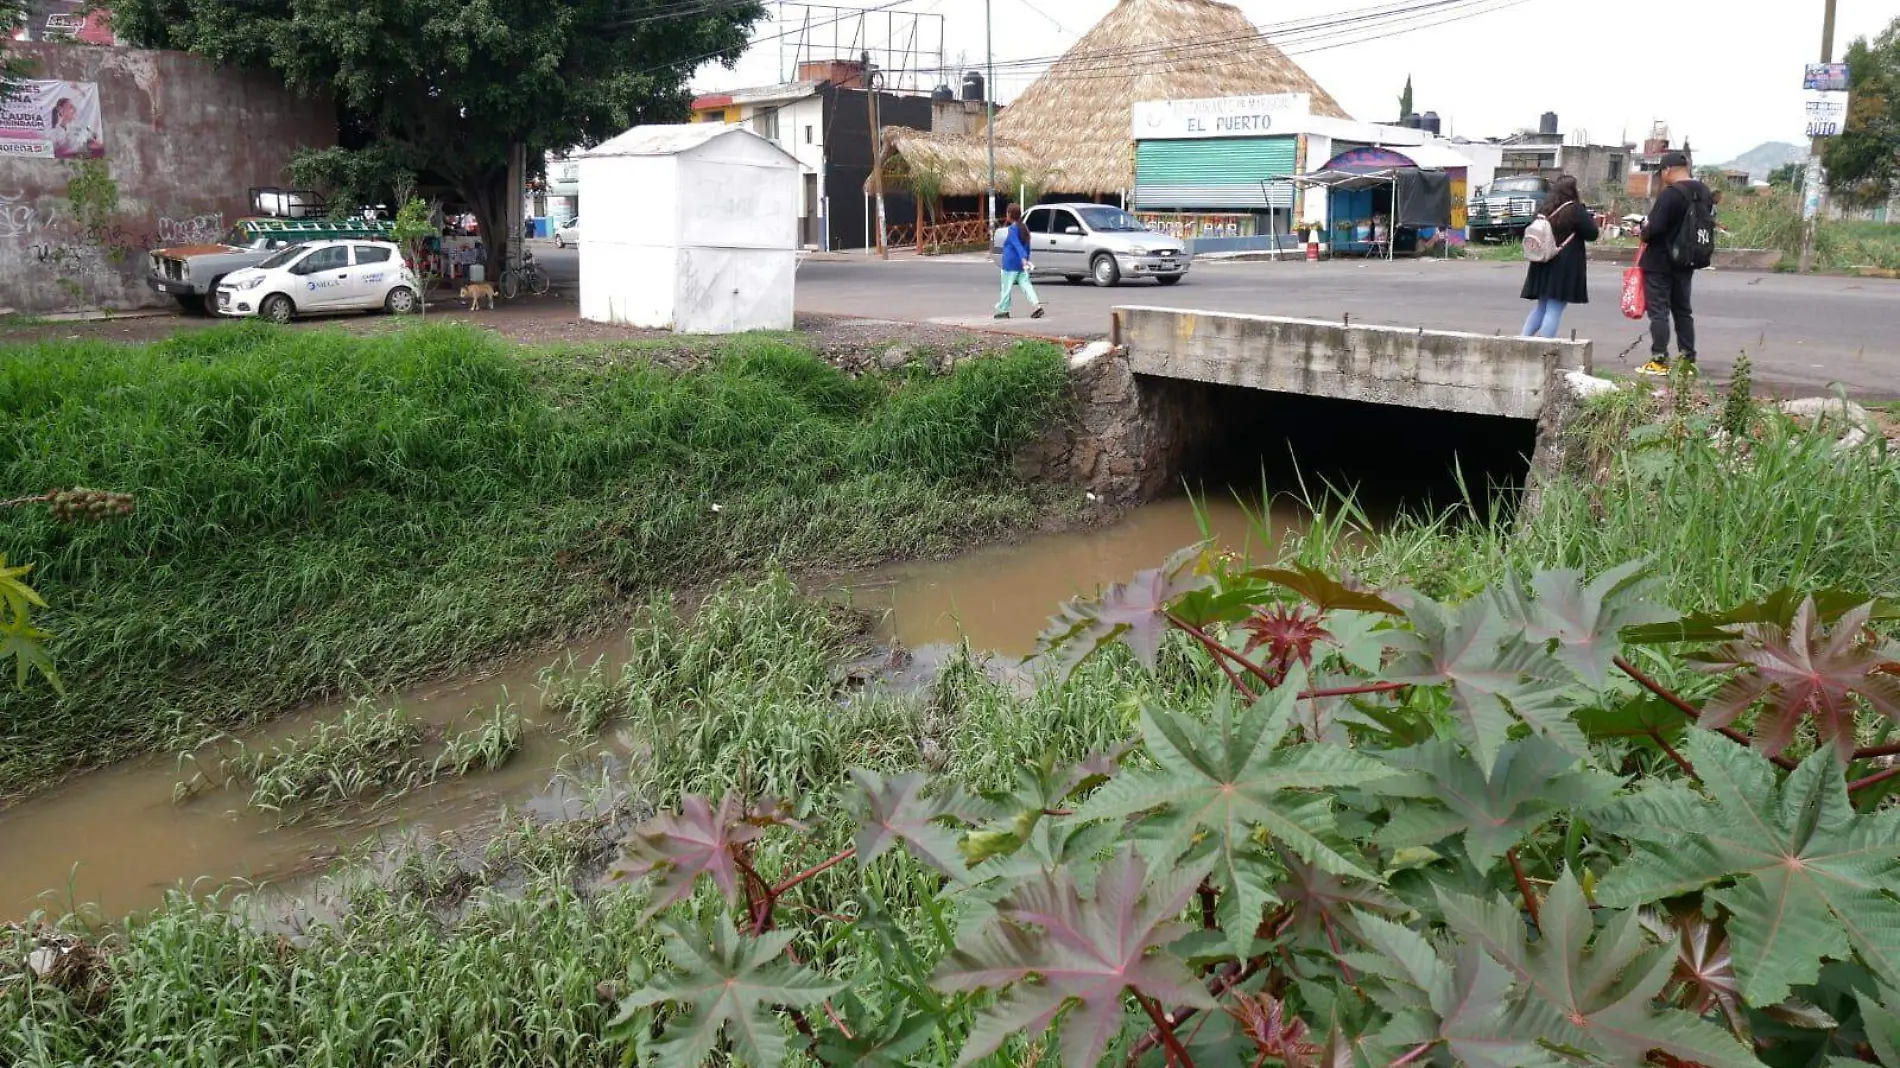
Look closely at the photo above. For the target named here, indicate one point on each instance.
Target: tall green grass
(1723, 523)
(319, 511)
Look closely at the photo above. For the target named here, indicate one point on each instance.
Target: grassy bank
(319, 512)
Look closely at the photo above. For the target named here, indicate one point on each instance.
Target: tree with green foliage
(1863, 163)
(1789, 176)
(449, 87)
(1405, 100)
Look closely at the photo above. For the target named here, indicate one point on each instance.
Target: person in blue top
(1016, 265)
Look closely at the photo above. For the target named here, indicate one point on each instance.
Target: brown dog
(475, 291)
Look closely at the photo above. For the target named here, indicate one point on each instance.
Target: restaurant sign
(1226, 116)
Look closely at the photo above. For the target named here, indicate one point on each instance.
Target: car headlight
(251, 283)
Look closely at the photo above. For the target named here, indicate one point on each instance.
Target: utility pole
(1815, 192)
(868, 78)
(989, 104)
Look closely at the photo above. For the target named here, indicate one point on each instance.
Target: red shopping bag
(1635, 293)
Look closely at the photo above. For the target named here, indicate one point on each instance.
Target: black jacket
(1565, 278)
(1664, 218)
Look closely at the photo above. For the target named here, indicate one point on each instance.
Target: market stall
(1381, 202)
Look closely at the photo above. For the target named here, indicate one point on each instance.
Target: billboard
(52, 120)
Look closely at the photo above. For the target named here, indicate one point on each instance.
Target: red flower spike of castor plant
(1806, 671)
(1288, 632)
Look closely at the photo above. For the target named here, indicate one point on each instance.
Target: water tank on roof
(1547, 124)
(1429, 123)
(973, 87)
(1413, 120)
(943, 94)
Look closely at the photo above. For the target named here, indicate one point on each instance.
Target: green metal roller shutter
(1218, 172)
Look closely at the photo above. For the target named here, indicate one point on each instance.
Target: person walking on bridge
(1563, 279)
(1016, 265)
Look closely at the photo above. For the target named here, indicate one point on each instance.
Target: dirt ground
(854, 344)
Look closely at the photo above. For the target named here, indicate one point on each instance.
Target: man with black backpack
(1678, 240)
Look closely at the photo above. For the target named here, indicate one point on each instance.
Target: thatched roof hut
(1069, 131)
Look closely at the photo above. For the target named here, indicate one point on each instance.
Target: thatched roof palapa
(1070, 129)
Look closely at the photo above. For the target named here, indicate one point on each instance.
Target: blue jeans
(1012, 279)
(1545, 319)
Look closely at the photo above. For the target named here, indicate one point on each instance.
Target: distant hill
(1763, 160)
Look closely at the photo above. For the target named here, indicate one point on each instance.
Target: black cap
(1674, 159)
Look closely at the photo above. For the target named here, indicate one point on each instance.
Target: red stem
(1524, 886)
(761, 904)
(1220, 650)
(1417, 1052)
(1339, 951)
(1216, 990)
(1176, 1052)
(1355, 691)
(1681, 761)
(1890, 749)
(779, 890)
(1875, 779)
(1687, 709)
(1208, 921)
(1220, 653)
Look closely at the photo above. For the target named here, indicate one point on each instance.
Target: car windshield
(281, 258)
(1110, 220)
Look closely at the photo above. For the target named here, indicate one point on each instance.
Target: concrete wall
(1471, 373)
(184, 140)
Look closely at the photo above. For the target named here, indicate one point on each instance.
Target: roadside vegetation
(1488, 822)
(322, 513)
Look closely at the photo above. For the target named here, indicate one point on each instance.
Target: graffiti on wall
(203, 229)
(20, 218)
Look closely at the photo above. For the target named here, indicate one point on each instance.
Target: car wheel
(1104, 271)
(1073, 279)
(559, 242)
(1169, 279)
(277, 308)
(400, 301)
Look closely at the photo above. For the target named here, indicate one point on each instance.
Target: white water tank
(691, 228)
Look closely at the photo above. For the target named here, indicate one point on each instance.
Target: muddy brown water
(116, 841)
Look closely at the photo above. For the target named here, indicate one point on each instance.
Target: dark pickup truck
(1505, 210)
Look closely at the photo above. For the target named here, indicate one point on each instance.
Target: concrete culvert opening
(1222, 441)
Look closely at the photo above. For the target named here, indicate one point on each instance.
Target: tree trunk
(487, 196)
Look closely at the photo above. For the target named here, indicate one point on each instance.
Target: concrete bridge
(1472, 374)
(1179, 396)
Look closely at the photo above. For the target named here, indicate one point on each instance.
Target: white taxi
(319, 278)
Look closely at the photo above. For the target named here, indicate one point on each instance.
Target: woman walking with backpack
(1555, 245)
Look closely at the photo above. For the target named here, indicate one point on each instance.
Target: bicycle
(516, 273)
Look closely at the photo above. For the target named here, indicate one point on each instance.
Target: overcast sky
(1609, 67)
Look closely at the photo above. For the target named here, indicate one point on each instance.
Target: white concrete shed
(692, 228)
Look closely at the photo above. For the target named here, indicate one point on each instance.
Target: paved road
(1801, 333)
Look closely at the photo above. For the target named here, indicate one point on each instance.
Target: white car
(319, 278)
(569, 234)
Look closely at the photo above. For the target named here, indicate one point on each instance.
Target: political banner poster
(52, 120)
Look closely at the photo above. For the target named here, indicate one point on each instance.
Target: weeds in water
(371, 750)
(585, 700)
(485, 747)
